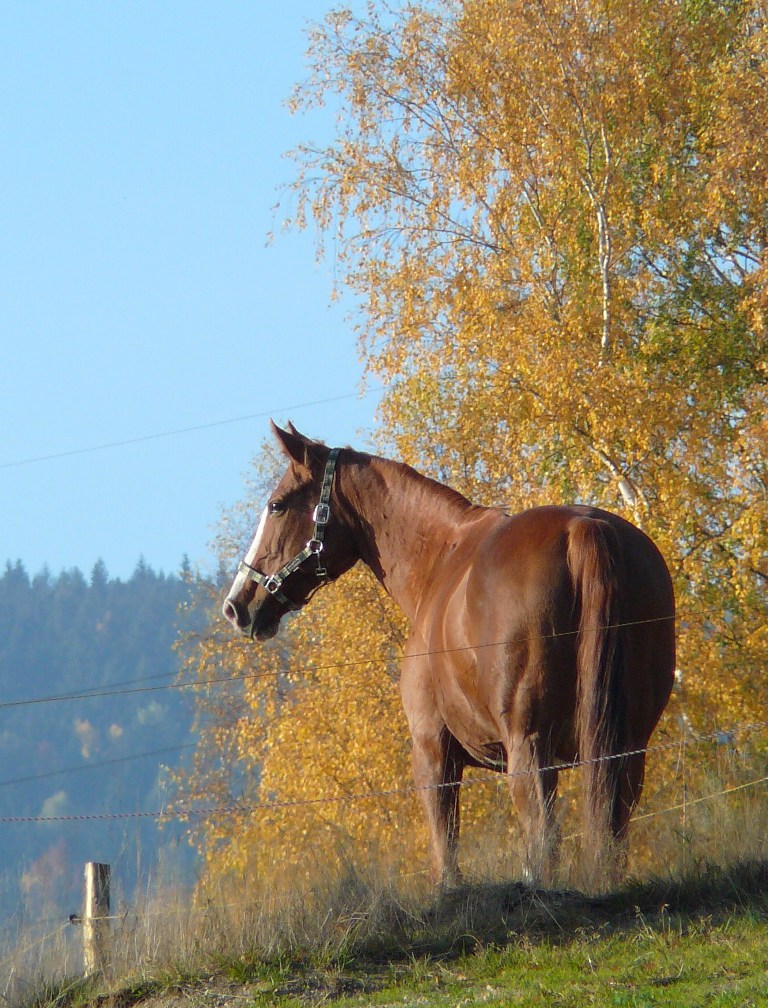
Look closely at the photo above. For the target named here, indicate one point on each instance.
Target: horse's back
(504, 622)
(544, 547)
(534, 545)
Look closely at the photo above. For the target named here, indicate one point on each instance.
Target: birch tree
(552, 218)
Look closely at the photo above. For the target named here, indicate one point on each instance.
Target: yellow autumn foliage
(559, 237)
(553, 216)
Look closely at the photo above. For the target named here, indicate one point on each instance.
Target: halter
(272, 583)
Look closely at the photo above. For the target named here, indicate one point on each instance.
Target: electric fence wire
(97, 765)
(278, 411)
(229, 809)
(96, 692)
(140, 915)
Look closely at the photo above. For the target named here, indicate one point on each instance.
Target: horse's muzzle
(239, 618)
(256, 624)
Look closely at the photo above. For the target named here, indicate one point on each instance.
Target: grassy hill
(698, 940)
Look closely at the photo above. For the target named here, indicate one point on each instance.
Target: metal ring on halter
(270, 583)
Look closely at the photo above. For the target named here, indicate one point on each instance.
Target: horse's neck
(404, 524)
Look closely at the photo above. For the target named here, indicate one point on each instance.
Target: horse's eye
(277, 508)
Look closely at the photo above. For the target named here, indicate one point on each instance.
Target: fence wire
(251, 808)
(90, 693)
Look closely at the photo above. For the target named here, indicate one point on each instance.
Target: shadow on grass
(475, 916)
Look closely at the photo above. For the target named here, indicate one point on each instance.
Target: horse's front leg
(437, 769)
(437, 776)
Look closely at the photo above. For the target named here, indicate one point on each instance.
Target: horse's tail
(594, 560)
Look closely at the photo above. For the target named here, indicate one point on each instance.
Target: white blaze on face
(251, 555)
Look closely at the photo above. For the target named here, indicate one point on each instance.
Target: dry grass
(702, 853)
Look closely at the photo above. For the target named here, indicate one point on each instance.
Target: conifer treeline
(68, 633)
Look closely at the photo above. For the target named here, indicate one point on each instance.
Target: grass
(693, 933)
(699, 939)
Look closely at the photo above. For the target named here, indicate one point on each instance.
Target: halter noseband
(272, 583)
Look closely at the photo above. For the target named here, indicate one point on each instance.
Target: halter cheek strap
(272, 583)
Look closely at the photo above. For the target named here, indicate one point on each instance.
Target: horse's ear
(294, 445)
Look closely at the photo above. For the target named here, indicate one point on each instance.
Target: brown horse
(538, 640)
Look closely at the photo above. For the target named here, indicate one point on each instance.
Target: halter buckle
(321, 515)
(315, 546)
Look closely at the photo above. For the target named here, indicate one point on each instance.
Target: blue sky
(142, 159)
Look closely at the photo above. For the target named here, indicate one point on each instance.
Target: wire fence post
(96, 927)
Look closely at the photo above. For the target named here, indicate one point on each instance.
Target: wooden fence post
(96, 924)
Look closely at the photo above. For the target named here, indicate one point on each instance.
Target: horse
(539, 641)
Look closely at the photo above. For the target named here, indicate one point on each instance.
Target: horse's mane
(407, 476)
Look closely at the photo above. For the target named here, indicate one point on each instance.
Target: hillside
(100, 751)
(691, 941)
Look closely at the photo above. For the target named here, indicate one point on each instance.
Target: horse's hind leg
(630, 787)
(534, 790)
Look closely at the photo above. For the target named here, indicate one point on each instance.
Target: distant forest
(99, 754)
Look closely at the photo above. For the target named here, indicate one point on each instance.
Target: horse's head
(299, 544)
